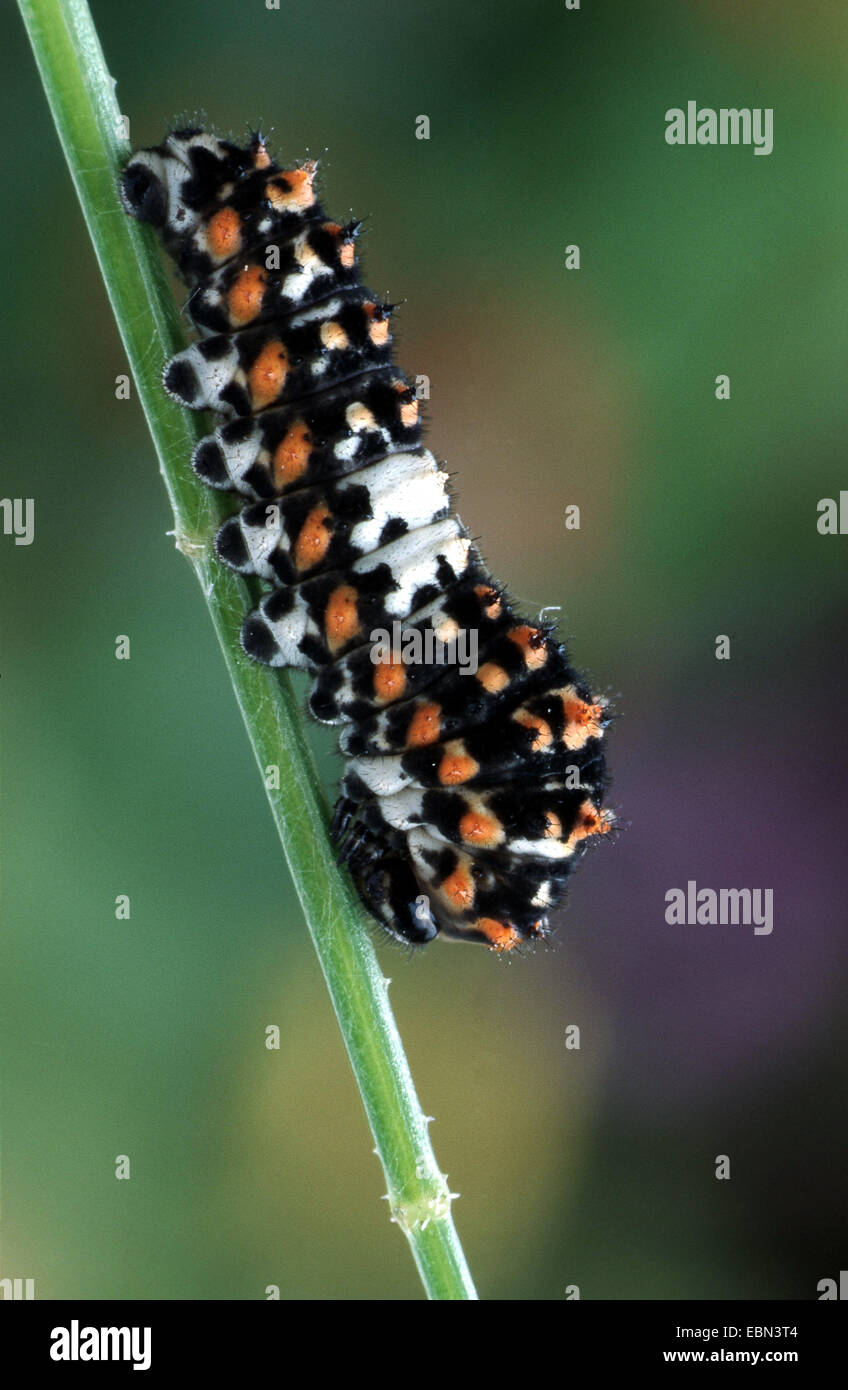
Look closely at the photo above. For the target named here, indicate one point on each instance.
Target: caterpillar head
(169, 184)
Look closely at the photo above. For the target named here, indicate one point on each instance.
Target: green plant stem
(81, 96)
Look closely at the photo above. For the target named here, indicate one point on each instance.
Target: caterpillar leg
(391, 891)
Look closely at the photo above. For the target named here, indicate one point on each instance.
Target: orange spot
(333, 335)
(582, 721)
(492, 677)
(456, 765)
(424, 727)
(492, 606)
(476, 828)
(553, 826)
(458, 888)
(532, 644)
(500, 936)
(409, 414)
(389, 681)
(291, 455)
(347, 254)
(261, 157)
(246, 294)
(378, 330)
(305, 253)
(542, 732)
(268, 374)
(360, 418)
(223, 233)
(341, 618)
(590, 821)
(447, 631)
(292, 189)
(313, 539)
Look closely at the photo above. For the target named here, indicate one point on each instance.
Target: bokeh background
(549, 387)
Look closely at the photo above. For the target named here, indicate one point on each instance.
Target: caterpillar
(468, 795)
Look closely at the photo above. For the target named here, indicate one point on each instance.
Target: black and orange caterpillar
(467, 797)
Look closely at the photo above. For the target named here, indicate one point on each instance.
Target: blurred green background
(549, 387)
